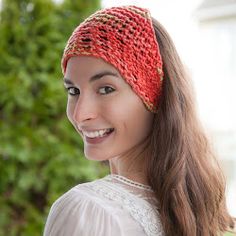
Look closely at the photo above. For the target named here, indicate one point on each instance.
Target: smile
(98, 133)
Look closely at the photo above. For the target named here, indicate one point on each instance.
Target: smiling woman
(131, 101)
(103, 109)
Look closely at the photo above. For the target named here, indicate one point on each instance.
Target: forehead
(86, 66)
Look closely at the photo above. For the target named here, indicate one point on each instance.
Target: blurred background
(41, 156)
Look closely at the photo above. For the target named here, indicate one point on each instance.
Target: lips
(97, 133)
(97, 136)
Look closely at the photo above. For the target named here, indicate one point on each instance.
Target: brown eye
(73, 91)
(105, 90)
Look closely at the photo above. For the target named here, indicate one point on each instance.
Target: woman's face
(103, 108)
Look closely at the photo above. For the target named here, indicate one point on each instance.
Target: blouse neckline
(130, 182)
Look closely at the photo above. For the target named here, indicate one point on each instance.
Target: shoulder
(80, 212)
(76, 195)
(81, 195)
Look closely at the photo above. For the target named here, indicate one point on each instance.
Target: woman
(131, 101)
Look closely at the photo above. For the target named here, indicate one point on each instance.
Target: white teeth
(95, 134)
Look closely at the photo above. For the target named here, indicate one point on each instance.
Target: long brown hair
(182, 169)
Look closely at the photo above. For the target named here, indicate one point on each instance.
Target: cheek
(70, 111)
(140, 119)
(133, 117)
(141, 125)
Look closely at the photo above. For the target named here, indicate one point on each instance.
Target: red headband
(125, 38)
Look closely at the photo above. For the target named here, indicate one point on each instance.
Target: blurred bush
(41, 156)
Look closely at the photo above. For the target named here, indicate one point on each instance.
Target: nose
(85, 109)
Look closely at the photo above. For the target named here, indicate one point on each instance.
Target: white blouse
(111, 206)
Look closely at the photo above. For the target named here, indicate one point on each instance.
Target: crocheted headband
(125, 38)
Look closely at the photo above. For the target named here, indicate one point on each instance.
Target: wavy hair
(182, 169)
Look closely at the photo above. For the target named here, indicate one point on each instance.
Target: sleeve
(77, 214)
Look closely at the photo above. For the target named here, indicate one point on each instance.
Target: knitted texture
(125, 38)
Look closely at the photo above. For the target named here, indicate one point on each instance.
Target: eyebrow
(94, 77)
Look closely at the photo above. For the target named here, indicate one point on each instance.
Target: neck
(130, 166)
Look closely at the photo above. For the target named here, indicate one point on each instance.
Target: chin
(96, 156)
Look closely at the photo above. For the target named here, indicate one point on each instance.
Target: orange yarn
(125, 38)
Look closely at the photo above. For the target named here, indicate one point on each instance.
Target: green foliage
(41, 156)
(229, 234)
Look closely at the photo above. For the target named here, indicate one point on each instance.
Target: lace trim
(131, 182)
(139, 209)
